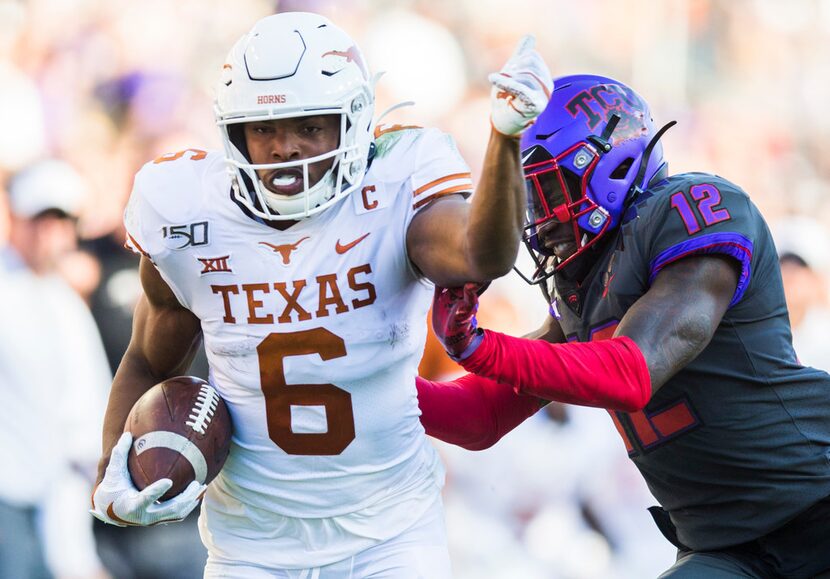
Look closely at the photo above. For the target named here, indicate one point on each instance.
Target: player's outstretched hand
(454, 319)
(521, 89)
(116, 500)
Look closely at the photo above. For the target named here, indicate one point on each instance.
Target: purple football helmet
(583, 161)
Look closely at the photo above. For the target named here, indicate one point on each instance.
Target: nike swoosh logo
(341, 249)
(541, 137)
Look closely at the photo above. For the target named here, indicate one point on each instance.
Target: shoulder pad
(695, 214)
(421, 165)
(685, 181)
(657, 198)
(174, 185)
(389, 137)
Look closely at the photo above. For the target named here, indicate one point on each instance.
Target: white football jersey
(313, 334)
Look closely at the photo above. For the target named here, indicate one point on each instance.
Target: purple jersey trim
(732, 244)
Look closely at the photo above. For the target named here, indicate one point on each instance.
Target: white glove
(116, 500)
(521, 89)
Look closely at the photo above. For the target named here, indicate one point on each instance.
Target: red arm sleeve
(472, 412)
(608, 374)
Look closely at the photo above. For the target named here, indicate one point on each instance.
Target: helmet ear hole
(622, 169)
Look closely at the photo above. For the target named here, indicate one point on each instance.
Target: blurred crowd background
(92, 89)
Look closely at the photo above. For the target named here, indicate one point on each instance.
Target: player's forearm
(148, 361)
(608, 374)
(520, 92)
(497, 209)
(132, 379)
(472, 412)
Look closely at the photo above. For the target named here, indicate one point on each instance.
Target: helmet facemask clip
(603, 141)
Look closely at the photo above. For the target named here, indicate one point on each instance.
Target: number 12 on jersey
(706, 198)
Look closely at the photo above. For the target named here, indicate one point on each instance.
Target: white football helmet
(296, 64)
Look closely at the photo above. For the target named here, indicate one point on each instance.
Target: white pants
(420, 552)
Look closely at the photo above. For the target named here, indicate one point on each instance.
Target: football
(182, 431)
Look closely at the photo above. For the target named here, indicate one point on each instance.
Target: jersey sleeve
(141, 218)
(162, 199)
(167, 193)
(439, 169)
(699, 215)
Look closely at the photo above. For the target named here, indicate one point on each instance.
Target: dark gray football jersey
(738, 442)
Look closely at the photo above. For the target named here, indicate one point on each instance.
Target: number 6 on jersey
(280, 397)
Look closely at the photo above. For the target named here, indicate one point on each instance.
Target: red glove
(454, 319)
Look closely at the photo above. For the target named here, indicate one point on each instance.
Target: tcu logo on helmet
(600, 101)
